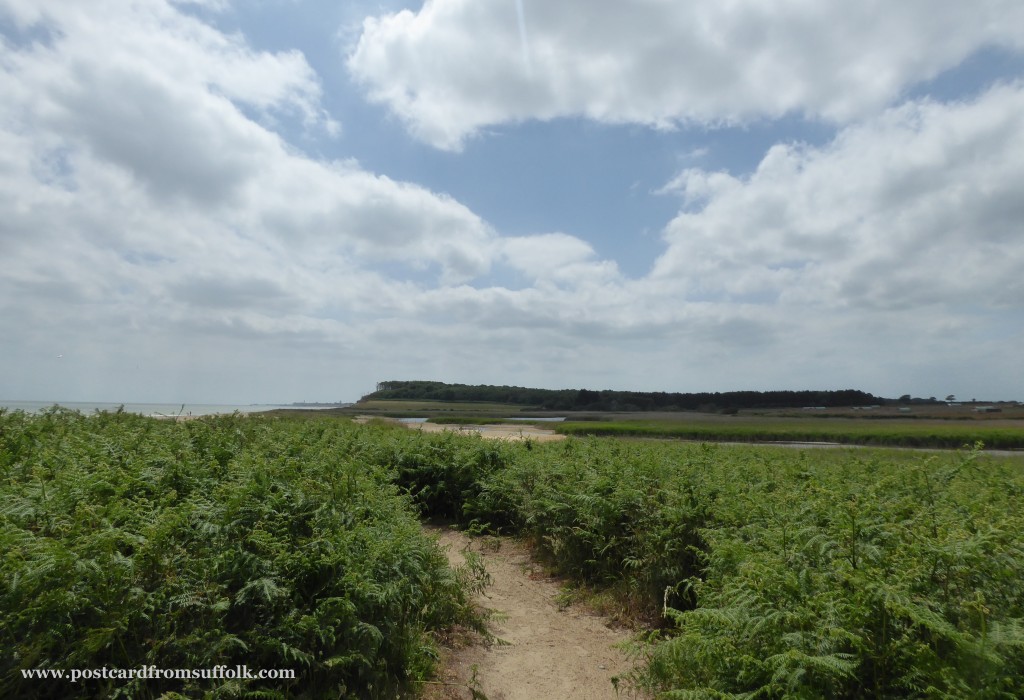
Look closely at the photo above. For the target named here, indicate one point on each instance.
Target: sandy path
(551, 652)
(497, 431)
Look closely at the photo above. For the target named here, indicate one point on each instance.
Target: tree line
(609, 400)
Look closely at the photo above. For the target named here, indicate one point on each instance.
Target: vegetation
(943, 434)
(778, 573)
(129, 541)
(472, 420)
(585, 400)
(769, 572)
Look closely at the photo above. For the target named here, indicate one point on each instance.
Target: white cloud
(557, 257)
(456, 66)
(917, 207)
(152, 43)
(128, 163)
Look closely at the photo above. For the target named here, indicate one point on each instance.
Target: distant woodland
(607, 400)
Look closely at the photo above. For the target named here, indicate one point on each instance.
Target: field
(894, 426)
(283, 543)
(896, 432)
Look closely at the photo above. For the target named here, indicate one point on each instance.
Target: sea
(145, 409)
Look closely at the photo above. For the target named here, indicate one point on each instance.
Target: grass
(916, 433)
(926, 426)
(957, 426)
(471, 420)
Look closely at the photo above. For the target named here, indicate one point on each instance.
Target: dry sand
(551, 651)
(498, 431)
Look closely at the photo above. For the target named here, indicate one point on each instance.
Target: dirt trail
(496, 431)
(551, 652)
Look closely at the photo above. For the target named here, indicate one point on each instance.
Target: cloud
(134, 166)
(557, 257)
(154, 42)
(456, 67)
(916, 207)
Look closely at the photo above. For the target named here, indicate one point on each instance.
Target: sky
(217, 201)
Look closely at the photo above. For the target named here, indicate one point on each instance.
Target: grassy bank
(892, 433)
